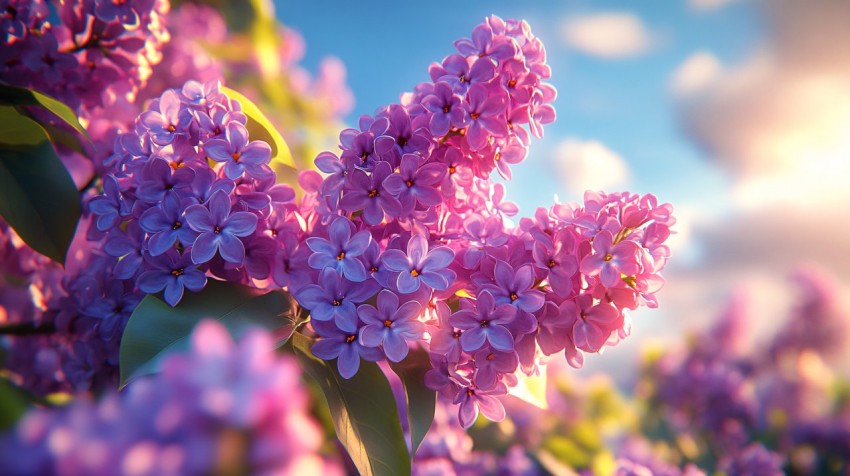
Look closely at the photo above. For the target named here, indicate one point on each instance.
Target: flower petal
(204, 247)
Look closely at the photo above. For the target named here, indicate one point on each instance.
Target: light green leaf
(261, 128)
(364, 412)
(420, 399)
(38, 197)
(15, 96)
(156, 329)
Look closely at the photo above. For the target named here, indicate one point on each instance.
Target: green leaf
(15, 96)
(13, 404)
(156, 329)
(261, 128)
(364, 412)
(421, 400)
(38, 197)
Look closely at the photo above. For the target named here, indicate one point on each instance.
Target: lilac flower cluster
(100, 49)
(770, 408)
(165, 218)
(65, 326)
(408, 208)
(190, 193)
(224, 407)
(96, 58)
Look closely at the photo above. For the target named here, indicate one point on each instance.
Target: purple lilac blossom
(421, 265)
(219, 230)
(216, 394)
(390, 325)
(341, 251)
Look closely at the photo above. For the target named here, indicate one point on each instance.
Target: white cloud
(783, 111)
(608, 35)
(705, 5)
(696, 73)
(778, 125)
(590, 165)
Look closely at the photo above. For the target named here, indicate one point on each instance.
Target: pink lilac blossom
(417, 177)
(221, 395)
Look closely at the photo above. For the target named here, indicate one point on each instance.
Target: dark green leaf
(13, 404)
(364, 412)
(421, 400)
(261, 128)
(156, 329)
(38, 198)
(15, 96)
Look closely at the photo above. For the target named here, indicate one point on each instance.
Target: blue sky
(624, 103)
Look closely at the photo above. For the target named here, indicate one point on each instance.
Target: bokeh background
(735, 111)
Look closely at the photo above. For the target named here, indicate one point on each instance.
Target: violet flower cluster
(306, 108)
(775, 407)
(64, 325)
(70, 321)
(159, 199)
(223, 407)
(190, 193)
(408, 208)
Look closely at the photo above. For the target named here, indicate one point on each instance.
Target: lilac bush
(191, 146)
(402, 248)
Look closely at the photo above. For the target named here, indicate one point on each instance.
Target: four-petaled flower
(335, 297)
(371, 195)
(486, 114)
(611, 261)
(515, 287)
(166, 224)
(592, 325)
(446, 110)
(416, 183)
(171, 119)
(344, 346)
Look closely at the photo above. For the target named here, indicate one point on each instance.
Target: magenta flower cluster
(169, 215)
(408, 206)
(223, 407)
